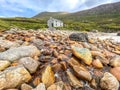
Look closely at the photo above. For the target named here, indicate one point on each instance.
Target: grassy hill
(103, 18)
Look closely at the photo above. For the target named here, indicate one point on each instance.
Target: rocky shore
(51, 60)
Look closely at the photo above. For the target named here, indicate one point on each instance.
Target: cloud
(28, 8)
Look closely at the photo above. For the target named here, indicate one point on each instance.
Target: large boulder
(109, 82)
(29, 64)
(16, 53)
(79, 37)
(13, 77)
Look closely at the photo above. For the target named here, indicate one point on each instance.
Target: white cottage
(54, 23)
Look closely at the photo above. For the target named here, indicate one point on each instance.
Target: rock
(57, 86)
(8, 44)
(73, 80)
(57, 67)
(41, 86)
(79, 37)
(13, 77)
(37, 43)
(48, 76)
(109, 82)
(116, 72)
(19, 52)
(29, 64)
(82, 53)
(11, 89)
(103, 60)
(80, 70)
(26, 87)
(97, 64)
(115, 61)
(118, 34)
(4, 64)
(36, 81)
(93, 84)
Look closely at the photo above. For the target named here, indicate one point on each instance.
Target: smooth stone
(83, 54)
(16, 53)
(73, 80)
(57, 86)
(48, 76)
(80, 70)
(97, 64)
(116, 72)
(4, 64)
(30, 64)
(13, 77)
(26, 87)
(109, 82)
(115, 61)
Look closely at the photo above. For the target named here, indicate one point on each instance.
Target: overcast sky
(29, 8)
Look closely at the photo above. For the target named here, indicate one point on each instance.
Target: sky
(29, 8)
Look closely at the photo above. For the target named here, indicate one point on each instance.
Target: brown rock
(73, 80)
(109, 82)
(57, 67)
(4, 64)
(80, 70)
(48, 76)
(97, 63)
(82, 53)
(41, 86)
(57, 86)
(103, 60)
(116, 72)
(93, 84)
(36, 81)
(64, 65)
(115, 61)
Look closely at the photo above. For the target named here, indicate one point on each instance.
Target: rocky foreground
(51, 60)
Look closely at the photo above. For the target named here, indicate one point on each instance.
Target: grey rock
(41, 86)
(8, 44)
(30, 64)
(79, 37)
(16, 53)
(109, 82)
(13, 77)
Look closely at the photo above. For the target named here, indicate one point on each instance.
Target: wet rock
(26, 87)
(115, 61)
(97, 64)
(29, 64)
(82, 53)
(48, 76)
(41, 86)
(19, 52)
(8, 44)
(109, 82)
(4, 64)
(80, 70)
(116, 72)
(13, 77)
(79, 37)
(73, 80)
(57, 86)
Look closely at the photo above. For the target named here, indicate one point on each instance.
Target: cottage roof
(54, 19)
